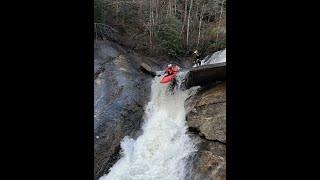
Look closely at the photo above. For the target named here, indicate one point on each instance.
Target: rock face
(120, 93)
(203, 75)
(207, 120)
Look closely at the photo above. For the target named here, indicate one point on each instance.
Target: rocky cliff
(120, 92)
(207, 121)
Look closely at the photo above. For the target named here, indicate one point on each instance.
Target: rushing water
(162, 151)
(217, 57)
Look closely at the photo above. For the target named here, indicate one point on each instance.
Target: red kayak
(168, 78)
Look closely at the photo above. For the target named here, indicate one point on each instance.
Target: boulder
(147, 69)
(203, 75)
(206, 119)
(208, 115)
(209, 162)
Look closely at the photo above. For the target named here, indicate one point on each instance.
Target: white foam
(217, 57)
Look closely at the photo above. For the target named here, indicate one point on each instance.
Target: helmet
(169, 65)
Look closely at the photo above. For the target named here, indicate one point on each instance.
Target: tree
(189, 24)
(152, 24)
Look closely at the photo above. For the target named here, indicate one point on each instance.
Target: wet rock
(147, 69)
(210, 120)
(203, 75)
(206, 119)
(105, 51)
(120, 92)
(209, 166)
(209, 162)
(209, 114)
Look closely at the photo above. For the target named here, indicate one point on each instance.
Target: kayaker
(197, 60)
(169, 69)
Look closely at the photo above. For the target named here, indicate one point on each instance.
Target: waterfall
(162, 151)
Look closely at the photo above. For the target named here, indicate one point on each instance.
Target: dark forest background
(163, 27)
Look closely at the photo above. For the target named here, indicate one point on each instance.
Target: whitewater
(217, 57)
(162, 151)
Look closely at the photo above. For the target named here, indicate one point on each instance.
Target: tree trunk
(175, 7)
(218, 29)
(157, 6)
(150, 25)
(152, 14)
(140, 8)
(117, 12)
(197, 10)
(188, 25)
(168, 14)
(170, 8)
(200, 20)
(185, 15)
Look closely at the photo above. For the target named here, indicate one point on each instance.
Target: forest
(163, 27)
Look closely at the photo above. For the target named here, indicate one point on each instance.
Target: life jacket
(173, 69)
(169, 70)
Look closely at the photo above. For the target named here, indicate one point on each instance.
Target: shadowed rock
(209, 113)
(206, 119)
(203, 75)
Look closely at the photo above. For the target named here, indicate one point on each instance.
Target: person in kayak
(197, 60)
(171, 69)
